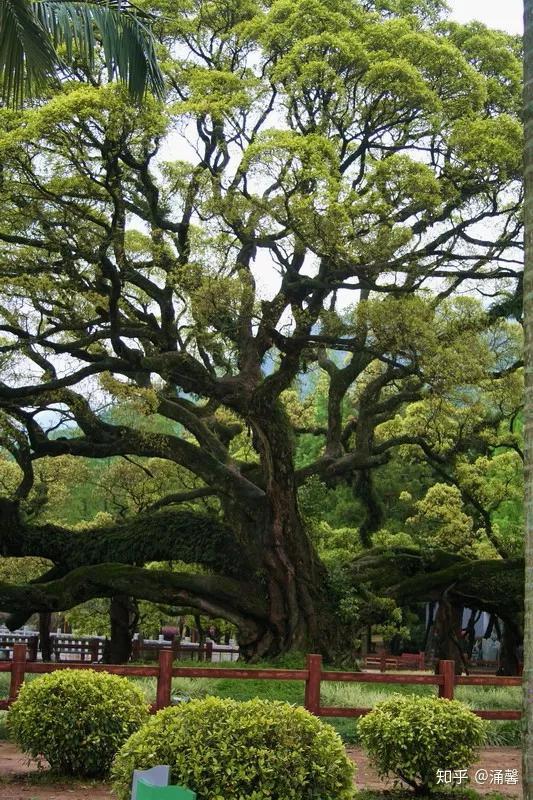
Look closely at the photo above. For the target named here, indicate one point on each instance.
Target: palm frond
(126, 40)
(30, 33)
(27, 56)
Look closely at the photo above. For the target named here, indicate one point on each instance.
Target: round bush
(415, 737)
(255, 750)
(76, 719)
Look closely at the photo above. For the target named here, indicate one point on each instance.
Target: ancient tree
(321, 181)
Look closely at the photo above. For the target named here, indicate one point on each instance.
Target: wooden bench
(7, 642)
(384, 661)
(86, 649)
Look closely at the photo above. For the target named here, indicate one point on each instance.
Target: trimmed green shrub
(226, 750)
(76, 719)
(413, 738)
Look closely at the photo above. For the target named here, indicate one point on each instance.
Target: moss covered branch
(233, 600)
(160, 536)
(410, 575)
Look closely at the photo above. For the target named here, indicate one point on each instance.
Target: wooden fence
(313, 676)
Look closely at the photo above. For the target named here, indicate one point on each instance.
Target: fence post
(447, 670)
(312, 684)
(18, 668)
(164, 678)
(421, 661)
(383, 661)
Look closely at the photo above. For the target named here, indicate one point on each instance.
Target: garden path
(18, 780)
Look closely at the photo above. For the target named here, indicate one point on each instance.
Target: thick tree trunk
(471, 631)
(511, 641)
(45, 619)
(365, 491)
(122, 613)
(299, 604)
(447, 631)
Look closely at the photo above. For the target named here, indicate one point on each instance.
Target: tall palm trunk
(528, 355)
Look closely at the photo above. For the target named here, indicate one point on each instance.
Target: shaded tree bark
(511, 641)
(45, 619)
(446, 631)
(296, 580)
(123, 617)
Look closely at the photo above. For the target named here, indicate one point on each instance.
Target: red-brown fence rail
(313, 676)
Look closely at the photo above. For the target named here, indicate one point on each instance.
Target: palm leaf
(43, 25)
(27, 56)
(126, 40)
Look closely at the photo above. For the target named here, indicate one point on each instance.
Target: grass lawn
(504, 733)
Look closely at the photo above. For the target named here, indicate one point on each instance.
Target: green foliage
(331, 541)
(22, 570)
(440, 520)
(257, 750)
(90, 618)
(76, 720)
(413, 737)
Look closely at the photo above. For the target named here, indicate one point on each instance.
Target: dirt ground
(20, 780)
(492, 761)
